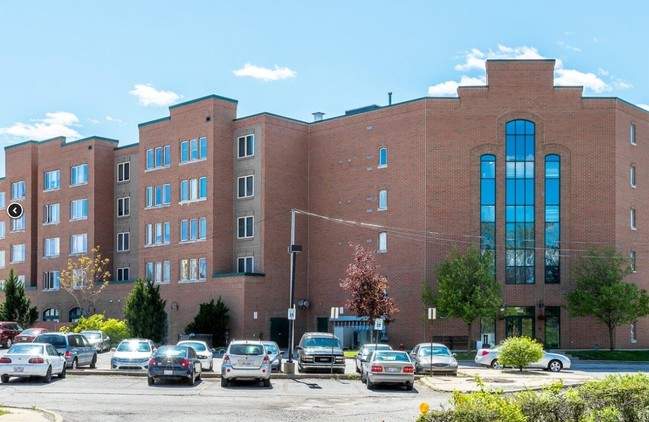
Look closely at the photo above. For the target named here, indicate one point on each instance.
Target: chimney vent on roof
(317, 116)
(390, 98)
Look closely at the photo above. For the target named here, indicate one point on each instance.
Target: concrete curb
(24, 414)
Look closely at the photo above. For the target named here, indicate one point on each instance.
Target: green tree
(467, 287)
(145, 313)
(212, 318)
(368, 288)
(17, 306)
(85, 279)
(518, 352)
(601, 292)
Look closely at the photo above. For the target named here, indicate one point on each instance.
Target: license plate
(166, 372)
(393, 369)
(19, 369)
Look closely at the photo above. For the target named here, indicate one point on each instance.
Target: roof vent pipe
(317, 116)
(390, 98)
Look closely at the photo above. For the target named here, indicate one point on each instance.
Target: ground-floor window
(552, 327)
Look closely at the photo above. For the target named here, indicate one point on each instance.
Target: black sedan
(176, 363)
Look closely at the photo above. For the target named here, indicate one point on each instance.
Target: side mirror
(61, 354)
(454, 354)
(298, 348)
(281, 352)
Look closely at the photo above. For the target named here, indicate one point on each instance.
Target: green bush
(91, 323)
(518, 352)
(629, 394)
(117, 330)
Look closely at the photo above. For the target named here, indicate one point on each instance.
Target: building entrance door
(279, 331)
(519, 322)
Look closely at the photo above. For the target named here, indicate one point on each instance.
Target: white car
(32, 360)
(246, 360)
(554, 362)
(132, 353)
(365, 351)
(203, 351)
(388, 367)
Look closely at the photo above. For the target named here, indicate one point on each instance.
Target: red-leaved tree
(368, 288)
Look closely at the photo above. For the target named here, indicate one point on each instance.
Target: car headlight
(307, 358)
(340, 359)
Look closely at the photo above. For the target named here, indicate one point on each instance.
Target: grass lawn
(619, 355)
(3, 412)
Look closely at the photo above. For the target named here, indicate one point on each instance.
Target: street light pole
(293, 249)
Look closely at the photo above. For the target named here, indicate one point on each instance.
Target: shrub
(629, 394)
(93, 322)
(117, 330)
(518, 352)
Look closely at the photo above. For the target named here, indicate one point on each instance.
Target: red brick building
(202, 204)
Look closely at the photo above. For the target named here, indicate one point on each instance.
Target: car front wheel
(496, 365)
(555, 366)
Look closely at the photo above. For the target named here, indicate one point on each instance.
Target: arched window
(74, 314)
(51, 314)
(552, 218)
(488, 205)
(519, 202)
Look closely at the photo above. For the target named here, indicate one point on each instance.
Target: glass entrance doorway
(519, 321)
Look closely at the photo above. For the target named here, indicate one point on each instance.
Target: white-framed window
(2, 229)
(51, 280)
(123, 273)
(246, 186)
(193, 189)
(2, 259)
(2, 200)
(52, 247)
(79, 175)
(79, 209)
(17, 253)
(245, 264)
(52, 180)
(158, 272)
(193, 229)
(79, 243)
(123, 241)
(21, 280)
(193, 269)
(124, 206)
(383, 157)
(158, 196)
(79, 278)
(193, 150)
(383, 242)
(51, 213)
(157, 234)
(51, 314)
(148, 235)
(124, 171)
(246, 227)
(383, 199)
(632, 134)
(632, 220)
(159, 157)
(632, 261)
(18, 190)
(632, 176)
(634, 332)
(246, 146)
(18, 224)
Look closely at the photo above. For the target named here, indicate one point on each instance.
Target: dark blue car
(176, 363)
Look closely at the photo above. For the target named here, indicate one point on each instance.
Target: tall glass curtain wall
(519, 202)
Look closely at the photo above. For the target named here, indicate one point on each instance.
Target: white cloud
(94, 121)
(475, 59)
(571, 77)
(147, 95)
(645, 106)
(114, 119)
(54, 124)
(569, 47)
(264, 73)
(449, 88)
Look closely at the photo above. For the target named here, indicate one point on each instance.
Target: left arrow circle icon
(15, 210)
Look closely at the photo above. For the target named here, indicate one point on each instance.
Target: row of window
(193, 269)
(52, 180)
(160, 195)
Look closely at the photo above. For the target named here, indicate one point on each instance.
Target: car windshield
(199, 347)
(271, 348)
(321, 342)
(391, 356)
(31, 332)
(437, 351)
(92, 336)
(134, 346)
(172, 351)
(246, 349)
(26, 349)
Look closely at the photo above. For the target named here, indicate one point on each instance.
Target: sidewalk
(19, 414)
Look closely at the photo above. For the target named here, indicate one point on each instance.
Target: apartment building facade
(201, 206)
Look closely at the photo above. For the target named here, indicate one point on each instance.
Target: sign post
(432, 315)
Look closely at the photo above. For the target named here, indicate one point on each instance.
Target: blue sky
(84, 68)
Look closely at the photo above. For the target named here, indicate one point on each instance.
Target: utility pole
(293, 249)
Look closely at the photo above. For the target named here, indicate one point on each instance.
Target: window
(2, 229)
(246, 186)
(79, 175)
(519, 202)
(157, 234)
(51, 214)
(245, 227)
(552, 218)
(634, 332)
(52, 247)
(488, 206)
(159, 157)
(51, 315)
(158, 272)
(79, 209)
(383, 157)
(193, 189)
(79, 278)
(74, 314)
(246, 146)
(124, 171)
(202, 148)
(17, 253)
(2, 259)
(2, 200)
(193, 150)
(18, 190)
(52, 180)
(123, 241)
(632, 261)
(123, 274)
(632, 176)
(632, 221)
(193, 269)
(158, 196)
(383, 199)
(245, 264)
(21, 280)
(124, 206)
(78, 243)
(632, 134)
(193, 229)
(51, 280)
(18, 224)
(383, 242)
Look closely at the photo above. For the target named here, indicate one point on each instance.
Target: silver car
(204, 352)
(245, 360)
(433, 357)
(133, 353)
(365, 351)
(388, 367)
(75, 348)
(274, 354)
(99, 339)
(554, 362)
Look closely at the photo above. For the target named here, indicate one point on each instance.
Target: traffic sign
(15, 210)
(291, 313)
(378, 324)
